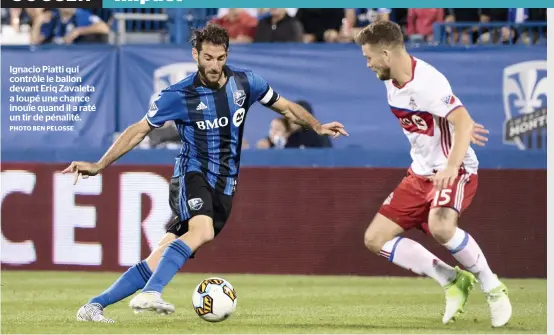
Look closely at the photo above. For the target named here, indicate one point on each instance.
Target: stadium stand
(486, 26)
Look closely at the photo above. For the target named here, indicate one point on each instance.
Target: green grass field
(47, 302)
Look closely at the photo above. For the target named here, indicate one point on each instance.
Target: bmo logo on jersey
(238, 118)
(415, 122)
(213, 124)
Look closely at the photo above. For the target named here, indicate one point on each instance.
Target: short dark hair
(211, 33)
(385, 33)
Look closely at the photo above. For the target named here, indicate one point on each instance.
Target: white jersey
(421, 106)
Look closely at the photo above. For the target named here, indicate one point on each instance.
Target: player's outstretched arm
(295, 113)
(299, 115)
(129, 139)
(167, 106)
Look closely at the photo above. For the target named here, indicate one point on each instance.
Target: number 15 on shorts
(459, 196)
(442, 197)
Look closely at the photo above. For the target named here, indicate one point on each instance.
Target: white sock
(414, 257)
(466, 251)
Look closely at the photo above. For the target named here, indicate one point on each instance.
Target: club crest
(524, 88)
(239, 97)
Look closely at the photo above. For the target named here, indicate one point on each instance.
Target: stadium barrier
(284, 220)
(505, 90)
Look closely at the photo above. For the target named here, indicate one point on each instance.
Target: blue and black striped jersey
(210, 122)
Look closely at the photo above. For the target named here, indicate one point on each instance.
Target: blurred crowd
(59, 26)
(337, 25)
(304, 25)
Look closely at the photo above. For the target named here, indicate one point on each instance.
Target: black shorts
(191, 195)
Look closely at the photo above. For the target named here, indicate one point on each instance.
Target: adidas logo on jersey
(201, 106)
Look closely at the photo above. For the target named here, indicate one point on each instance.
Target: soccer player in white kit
(442, 179)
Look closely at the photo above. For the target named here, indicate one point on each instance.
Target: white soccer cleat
(500, 306)
(457, 293)
(151, 301)
(92, 313)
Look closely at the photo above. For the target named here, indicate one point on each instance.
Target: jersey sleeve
(166, 107)
(261, 91)
(438, 98)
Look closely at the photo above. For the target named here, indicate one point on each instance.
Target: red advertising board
(284, 220)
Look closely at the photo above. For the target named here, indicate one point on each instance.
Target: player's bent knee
(443, 223)
(380, 231)
(201, 231)
(373, 241)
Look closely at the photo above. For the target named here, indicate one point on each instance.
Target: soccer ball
(214, 299)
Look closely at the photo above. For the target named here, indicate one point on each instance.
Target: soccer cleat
(151, 301)
(457, 292)
(500, 306)
(93, 313)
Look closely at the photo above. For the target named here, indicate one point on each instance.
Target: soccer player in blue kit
(209, 108)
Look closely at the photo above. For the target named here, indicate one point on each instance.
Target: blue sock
(132, 280)
(176, 254)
